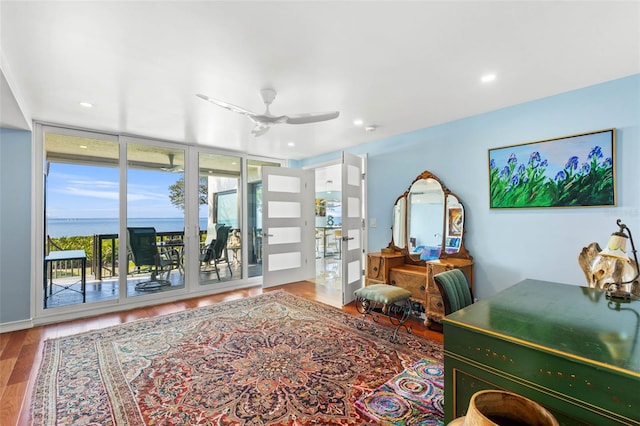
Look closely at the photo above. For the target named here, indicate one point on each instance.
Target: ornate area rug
(413, 397)
(273, 359)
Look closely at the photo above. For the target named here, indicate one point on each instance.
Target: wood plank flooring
(21, 351)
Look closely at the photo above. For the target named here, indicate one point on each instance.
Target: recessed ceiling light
(83, 146)
(358, 122)
(291, 144)
(488, 78)
(86, 104)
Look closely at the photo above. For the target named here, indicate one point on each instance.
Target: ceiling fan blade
(312, 117)
(227, 105)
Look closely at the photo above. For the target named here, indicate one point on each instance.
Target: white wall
(511, 245)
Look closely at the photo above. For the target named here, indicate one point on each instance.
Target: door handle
(267, 235)
(345, 238)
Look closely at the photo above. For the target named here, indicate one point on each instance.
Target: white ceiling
(400, 66)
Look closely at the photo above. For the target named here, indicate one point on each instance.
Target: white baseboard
(16, 325)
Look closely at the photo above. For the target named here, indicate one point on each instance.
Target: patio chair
(216, 251)
(143, 246)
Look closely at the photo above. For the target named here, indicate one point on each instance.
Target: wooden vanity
(427, 217)
(418, 279)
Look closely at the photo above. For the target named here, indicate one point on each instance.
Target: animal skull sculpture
(600, 271)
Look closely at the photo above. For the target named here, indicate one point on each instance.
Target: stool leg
(405, 311)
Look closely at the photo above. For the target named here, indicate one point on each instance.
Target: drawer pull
(393, 282)
(423, 288)
(439, 304)
(375, 269)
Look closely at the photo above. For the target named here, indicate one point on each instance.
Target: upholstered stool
(393, 302)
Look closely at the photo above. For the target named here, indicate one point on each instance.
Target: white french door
(352, 233)
(288, 226)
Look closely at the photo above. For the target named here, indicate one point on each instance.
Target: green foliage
(74, 243)
(525, 185)
(176, 192)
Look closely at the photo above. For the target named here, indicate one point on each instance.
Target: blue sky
(77, 191)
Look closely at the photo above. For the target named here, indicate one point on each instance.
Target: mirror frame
(462, 253)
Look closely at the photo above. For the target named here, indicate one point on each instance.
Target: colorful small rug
(413, 397)
(273, 359)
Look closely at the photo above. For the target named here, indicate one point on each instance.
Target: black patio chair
(144, 249)
(217, 251)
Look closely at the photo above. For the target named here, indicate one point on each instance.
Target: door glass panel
(254, 215)
(353, 176)
(155, 219)
(81, 220)
(353, 242)
(354, 271)
(284, 209)
(353, 206)
(281, 261)
(284, 184)
(221, 236)
(284, 235)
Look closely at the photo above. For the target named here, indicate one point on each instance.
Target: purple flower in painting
(521, 168)
(561, 176)
(608, 162)
(596, 152)
(515, 180)
(525, 179)
(505, 172)
(534, 159)
(512, 159)
(586, 168)
(492, 164)
(572, 163)
(544, 163)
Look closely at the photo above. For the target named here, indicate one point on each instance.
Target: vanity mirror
(426, 218)
(427, 238)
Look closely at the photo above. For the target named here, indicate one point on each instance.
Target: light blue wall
(511, 245)
(15, 225)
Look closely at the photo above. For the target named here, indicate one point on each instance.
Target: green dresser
(566, 347)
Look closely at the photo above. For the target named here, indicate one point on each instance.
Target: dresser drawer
(435, 307)
(415, 282)
(375, 268)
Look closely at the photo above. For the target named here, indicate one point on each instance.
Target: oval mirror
(425, 219)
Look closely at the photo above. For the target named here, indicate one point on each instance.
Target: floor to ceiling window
(219, 217)
(119, 220)
(155, 218)
(81, 208)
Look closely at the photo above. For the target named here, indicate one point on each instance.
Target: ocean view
(57, 228)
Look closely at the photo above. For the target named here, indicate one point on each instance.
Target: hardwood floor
(21, 351)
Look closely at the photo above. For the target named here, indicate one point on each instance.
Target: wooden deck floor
(21, 351)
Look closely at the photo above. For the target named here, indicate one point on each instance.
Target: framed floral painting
(570, 171)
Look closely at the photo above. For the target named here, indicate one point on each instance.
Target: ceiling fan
(171, 167)
(263, 122)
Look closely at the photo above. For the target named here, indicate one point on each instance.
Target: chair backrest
(455, 290)
(220, 245)
(142, 245)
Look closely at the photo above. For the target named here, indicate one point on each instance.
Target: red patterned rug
(273, 359)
